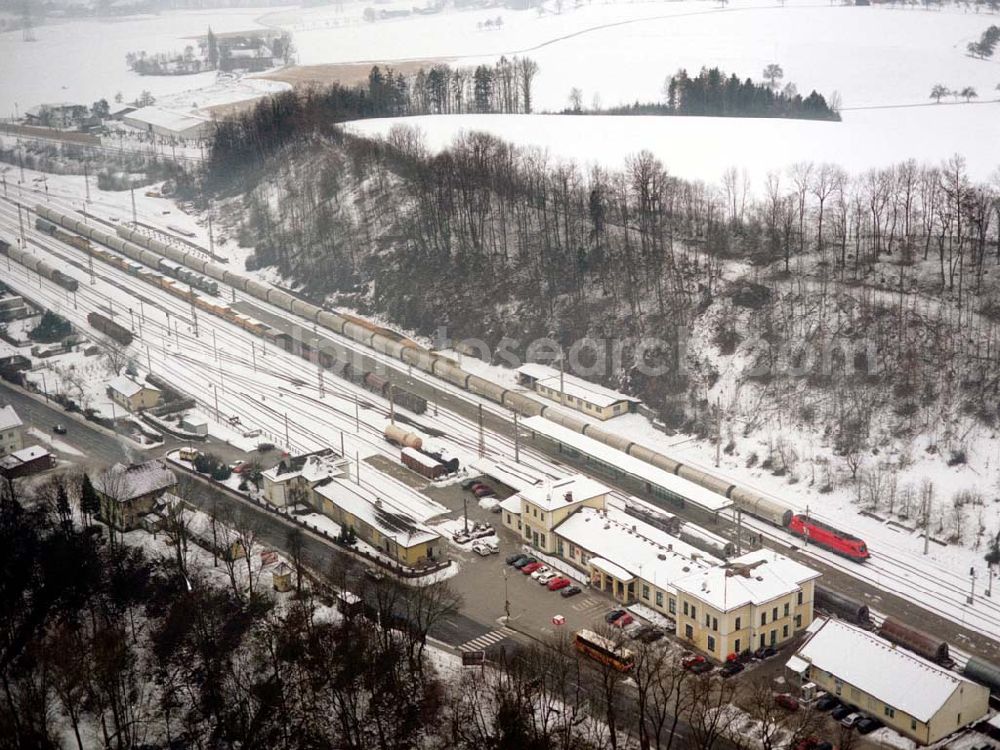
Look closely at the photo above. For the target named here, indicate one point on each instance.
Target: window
(784, 632)
(738, 623)
(774, 637)
(838, 687)
(736, 646)
(913, 724)
(800, 597)
(541, 540)
(708, 619)
(763, 618)
(559, 547)
(774, 614)
(659, 600)
(890, 712)
(786, 609)
(685, 607)
(645, 592)
(711, 645)
(960, 720)
(688, 632)
(798, 621)
(715, 624)
(694, 612)
(673, 603)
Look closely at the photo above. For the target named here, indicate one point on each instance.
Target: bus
(601, 649)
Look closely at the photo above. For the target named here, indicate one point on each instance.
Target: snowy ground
(84, 60)
(703, 148)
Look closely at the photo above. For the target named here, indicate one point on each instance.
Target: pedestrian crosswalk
(589, 605)
(487, 639)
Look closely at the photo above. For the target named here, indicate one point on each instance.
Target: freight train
(390, 343)
(39, 266)
(110, 329)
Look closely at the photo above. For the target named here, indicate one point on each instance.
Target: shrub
(957, 457)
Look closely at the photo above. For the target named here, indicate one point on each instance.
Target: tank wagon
(843, 606)
(916, 640)
(984, 672)
(149, 250)
(398, 436)
(110, 329)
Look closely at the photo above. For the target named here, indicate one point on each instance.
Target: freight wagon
(917, 641)
(110, 329)
(843, 606)
(423, 464)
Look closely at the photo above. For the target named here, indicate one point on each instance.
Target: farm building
(576, 393)
(129, 492)
(169, 123)
(10, 431)
(906, 692)
(756, 600)
(26, 461)
(134, 396)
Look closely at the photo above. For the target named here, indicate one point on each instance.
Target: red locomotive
(822, 535)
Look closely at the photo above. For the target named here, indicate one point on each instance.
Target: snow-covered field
(83, 60)
(703, 148)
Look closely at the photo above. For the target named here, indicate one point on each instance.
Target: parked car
(827, 702)
(374, 574)
(549, 576)
(625, 619)
(850, 720)
(525, 560)
(867, 725)
(765, 652)
(693, 660)
(649, 634)
(496, 509)
(485, 548)
(559, 582)
(702, 667)
(731, 668)
(613, 615)
(841, 711)
(59, 429)
(468, 484)
(531, 567)
(570, 591)
(484, 492)
(461, 537)
(786, 701)
(540, 571)
(513, 558)
(811, 743)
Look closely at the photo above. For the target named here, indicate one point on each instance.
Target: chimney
(568, 497)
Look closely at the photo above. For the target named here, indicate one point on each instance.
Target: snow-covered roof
(23, 456)
(691, 492)
(754, 578)
(312, 467)
(383, 513)
(611, 569)
(128, 387)
(123, 483)
(562, 492)
(9, 419)
(421, 458)
(641, 550)
(167, 118)
(512, 474)
(512, 504)
(895, 676)
(579, 388)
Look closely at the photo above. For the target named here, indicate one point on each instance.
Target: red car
(786, 701)
(559, 582)
(692, 661)
(531, 568)
(625, 619)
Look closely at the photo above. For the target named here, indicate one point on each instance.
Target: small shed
(195, 423)
(282, 578)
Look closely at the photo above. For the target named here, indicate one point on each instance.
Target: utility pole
(135, 221)
(517, 442)
(288, 442)
(972, 590)
(149, 364)
(211, 241)
(86, 180)
(194, 312)
(357, 467)
(928, 493)
(45, 388)
(718, 433)
(357, 415)
(215, 389)
(90, 266)
(215, 348)
(739, 532)
(20, 224)
(342, 443)
(253, 354)
(392, 407)
(562, 374)
(319, 376)
(482, 434)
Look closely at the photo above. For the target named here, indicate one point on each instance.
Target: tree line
(712, 94)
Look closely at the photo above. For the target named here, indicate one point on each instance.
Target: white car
(485, 548)
(850, 720)
(540, 572)
(543, 579)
